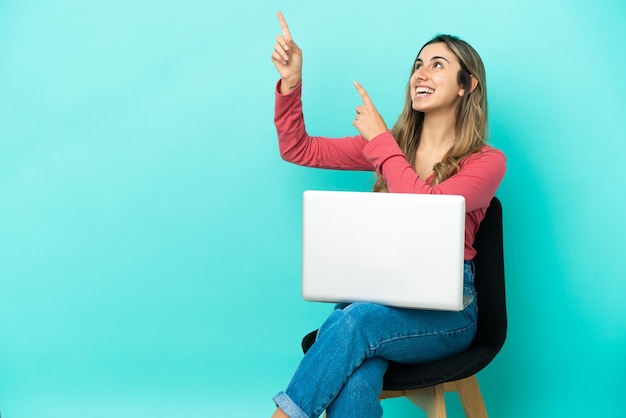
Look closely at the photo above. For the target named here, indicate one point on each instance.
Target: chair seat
(459, 366)
(403, 376)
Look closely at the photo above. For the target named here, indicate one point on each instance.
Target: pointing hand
(368, 121)
(287, 58)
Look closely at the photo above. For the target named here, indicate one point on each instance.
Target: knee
(355, 327)
(353, 319)
(362, 316)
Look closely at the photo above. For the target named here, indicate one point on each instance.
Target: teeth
(422, 90)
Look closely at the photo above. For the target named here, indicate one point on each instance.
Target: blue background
(150, 232)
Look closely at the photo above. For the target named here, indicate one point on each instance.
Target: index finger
(283, 26)
(364, 96)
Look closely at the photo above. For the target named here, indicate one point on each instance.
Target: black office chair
(425, 384)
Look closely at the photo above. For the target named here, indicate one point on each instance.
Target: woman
(437, 146)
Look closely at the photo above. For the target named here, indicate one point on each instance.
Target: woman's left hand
(368, 121)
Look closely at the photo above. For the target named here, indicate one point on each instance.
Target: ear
(473, 85)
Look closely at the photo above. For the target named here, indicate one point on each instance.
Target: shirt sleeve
(298, 147)
(477, 181)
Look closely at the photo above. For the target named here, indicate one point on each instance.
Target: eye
(418, 65)
(437, 64)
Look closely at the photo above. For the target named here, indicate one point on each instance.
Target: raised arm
(296, 146)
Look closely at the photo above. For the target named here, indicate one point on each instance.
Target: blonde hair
(471, 115)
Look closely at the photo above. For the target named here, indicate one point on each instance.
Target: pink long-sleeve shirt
(477, 180)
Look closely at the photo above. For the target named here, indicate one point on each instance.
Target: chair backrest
(489, 263)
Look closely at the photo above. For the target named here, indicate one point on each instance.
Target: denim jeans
(343, 370)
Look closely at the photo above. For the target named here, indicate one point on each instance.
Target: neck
(438, 132)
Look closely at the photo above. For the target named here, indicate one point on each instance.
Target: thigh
(410, 335)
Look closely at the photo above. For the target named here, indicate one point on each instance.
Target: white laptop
(403, 250)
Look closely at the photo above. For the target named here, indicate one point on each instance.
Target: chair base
(431, 399)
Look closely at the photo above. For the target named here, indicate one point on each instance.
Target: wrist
(288, 84)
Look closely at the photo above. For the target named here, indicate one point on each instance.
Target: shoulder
(487, 159)
(485, 154)
(491, 152)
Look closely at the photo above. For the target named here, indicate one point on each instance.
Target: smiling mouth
(423, 91)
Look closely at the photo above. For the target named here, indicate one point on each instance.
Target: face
(434, 83)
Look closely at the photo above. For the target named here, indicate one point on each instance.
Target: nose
(419, 74)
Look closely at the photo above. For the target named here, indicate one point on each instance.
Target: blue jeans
(343, 370)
